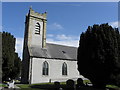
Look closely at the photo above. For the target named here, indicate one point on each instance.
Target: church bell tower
(35, 29)
(34, 36)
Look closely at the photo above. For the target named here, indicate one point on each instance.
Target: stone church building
(45, 62)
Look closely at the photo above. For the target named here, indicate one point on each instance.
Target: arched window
(37, 28)
(45, 68)
(64, 69)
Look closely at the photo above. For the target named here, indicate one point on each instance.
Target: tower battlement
(32, 13)
(35, 28)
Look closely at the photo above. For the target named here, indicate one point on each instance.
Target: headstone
(11, 84)
(70, 85)
(56, 85)
(79, 84)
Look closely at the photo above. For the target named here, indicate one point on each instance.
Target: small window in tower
(37, 28)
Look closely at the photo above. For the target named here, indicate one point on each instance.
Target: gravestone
(11, 84)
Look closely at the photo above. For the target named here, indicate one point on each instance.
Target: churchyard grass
(3, 85)
(30, 89)
(24, 86)
(28, 86)
(86, 81)
(112, 86)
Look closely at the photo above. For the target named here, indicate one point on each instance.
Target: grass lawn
(30, 89)
(28, 86)
(113, 86)
(86, 81)
(3, 85)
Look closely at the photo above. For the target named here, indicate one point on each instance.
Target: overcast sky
(66, 20)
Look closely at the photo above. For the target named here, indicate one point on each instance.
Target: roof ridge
(61, 45)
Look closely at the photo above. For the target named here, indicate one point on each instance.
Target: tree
(99, 55)
(10, 60)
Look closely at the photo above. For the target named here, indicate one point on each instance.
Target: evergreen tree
(10, 59)
(99, 55)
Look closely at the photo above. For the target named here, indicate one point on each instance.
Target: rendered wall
(55, 70)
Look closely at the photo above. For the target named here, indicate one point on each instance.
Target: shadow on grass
(64, 87)
(48, 87)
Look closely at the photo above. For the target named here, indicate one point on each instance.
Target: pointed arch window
(45, 68)
(64, 69)
(37, 28)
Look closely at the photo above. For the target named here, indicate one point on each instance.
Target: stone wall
(55, 70)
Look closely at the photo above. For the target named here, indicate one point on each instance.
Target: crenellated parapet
(34, 14)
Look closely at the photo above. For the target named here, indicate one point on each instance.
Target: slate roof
(54, 51)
